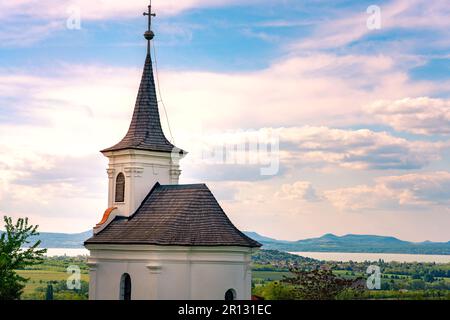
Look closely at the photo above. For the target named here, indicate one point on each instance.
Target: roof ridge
(184, 185)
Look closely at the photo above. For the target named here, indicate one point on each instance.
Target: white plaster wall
(106, 284)
(166, 273)
(142, 169)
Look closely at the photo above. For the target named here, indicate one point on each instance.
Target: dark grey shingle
(145, 132)
(185, 215)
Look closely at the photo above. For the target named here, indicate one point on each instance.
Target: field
(40, 278)
(269, 275)
(54, 272)
(270, 267)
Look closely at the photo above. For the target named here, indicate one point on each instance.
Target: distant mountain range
(62, 240)
(354, 243)
(326, 243)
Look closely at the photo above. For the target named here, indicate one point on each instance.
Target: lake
(327, 256)
(361, 257)
(51, 252)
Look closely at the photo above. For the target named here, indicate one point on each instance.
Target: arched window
(230, 295)
(125, 287)
(120, 188)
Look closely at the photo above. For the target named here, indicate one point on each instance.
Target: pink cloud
(104, 9)
(421, 190)
(421, 115)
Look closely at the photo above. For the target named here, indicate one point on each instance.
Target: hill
(62, 240)
(354, 243)
(326, 243)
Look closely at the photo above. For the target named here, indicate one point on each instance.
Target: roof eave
(181, 152)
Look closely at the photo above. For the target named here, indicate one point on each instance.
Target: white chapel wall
(163, 273)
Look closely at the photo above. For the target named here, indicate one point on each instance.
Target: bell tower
(144, 156)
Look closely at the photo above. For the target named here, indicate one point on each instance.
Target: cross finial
(149, 35)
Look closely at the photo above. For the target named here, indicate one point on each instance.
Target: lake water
(327, 256)
(361, 257)
(67, 252)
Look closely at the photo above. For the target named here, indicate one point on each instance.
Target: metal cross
(149, 35)
(150, 14)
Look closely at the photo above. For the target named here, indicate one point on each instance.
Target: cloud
(50, 16)
(290, 93)
(251, 192)
(257, 206)
(299, 190)
(350, 25)
(242, 155)
(416, 190)
(14, 35)
(60, 195)
(318, 89)
(68, 192)
(52, 114)
(104, 9)
(355, 149)
(51, 129)
(422, 115)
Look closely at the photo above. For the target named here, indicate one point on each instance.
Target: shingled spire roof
(145, 132)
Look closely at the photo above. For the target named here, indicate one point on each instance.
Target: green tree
(275, 291)
(49, 292)
(428, 278)
(17, 252)
(322, 284)
(417, 285)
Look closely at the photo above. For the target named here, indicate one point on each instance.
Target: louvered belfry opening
(120, 188)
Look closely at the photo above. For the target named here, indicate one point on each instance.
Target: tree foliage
(275, 291)
(321, 284)
(17, 251)
(49, 292)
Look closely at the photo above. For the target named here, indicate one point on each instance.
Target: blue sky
(362, 116)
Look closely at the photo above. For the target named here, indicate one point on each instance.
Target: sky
(351, 98)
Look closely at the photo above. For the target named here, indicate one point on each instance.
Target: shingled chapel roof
(183, 215)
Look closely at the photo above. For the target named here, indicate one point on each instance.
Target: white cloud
(78, 110)
(422, 190)
(351, 25)
(319, 89)
(241, 155)
(247, 192)
(422, 115)
(299, 190)
(355, 149)
(104, 9)
(14, 35)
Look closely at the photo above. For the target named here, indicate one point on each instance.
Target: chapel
(158, 239)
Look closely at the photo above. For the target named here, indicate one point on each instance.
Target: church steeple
(144, 156)
(145, 131)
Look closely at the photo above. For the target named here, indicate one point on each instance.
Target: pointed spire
(145, 132)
